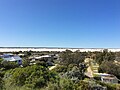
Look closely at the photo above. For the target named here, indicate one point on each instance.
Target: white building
(12, 58)
(108, 78)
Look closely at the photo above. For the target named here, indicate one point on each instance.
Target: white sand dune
(55, 49)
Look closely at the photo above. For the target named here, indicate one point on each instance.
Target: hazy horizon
(60, 47)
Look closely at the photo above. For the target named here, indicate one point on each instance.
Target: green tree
(25, 62)
(9, 65)
(82, 85)
(69, 57)
(32, 77)
(1, 82)
(1, 60)
(60, 69)
(104, 56)
(66, 84)
(110, 67)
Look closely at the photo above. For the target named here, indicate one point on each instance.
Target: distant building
(21, 54)
(108, 78)
(12, 58)
(45, 58)
(98, 87)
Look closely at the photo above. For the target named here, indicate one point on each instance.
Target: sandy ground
(53, 67)
(89, 72)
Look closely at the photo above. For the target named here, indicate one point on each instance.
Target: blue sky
(60, 23)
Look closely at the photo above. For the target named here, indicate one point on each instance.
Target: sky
(60, 23)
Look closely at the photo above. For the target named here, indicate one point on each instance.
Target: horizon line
(57, 47)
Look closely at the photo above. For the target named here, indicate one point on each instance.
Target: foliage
(1, 60)
(28, 53)
(69, 57)
(104, 56)
(110, 67)
(76, 74)
(1, 82)
(31, 76)
(42, 63)
(82, 85)
(68, 75)
(64, 84)
(60, 69)
(25, 62)
(9, 65)
(110, 86)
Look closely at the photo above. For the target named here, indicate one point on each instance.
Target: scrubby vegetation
(69, 74)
